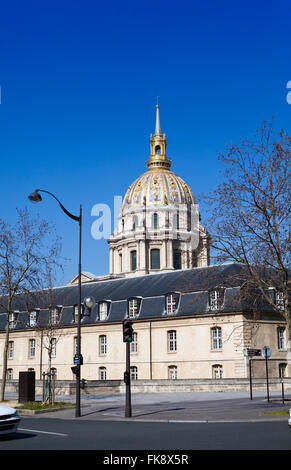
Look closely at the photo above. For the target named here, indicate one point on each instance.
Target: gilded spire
(158, 125)
(158, 158)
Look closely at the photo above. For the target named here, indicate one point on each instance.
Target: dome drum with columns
(158, 225)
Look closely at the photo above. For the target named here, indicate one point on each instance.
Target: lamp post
(36, 197)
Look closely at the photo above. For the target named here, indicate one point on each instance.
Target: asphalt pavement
(175, 407)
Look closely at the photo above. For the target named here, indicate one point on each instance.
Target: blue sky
(79, 82)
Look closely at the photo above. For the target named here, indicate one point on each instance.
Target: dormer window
(55, 314)
(280, 300)
(33, 318)
(216, 298)
(103, 309)
(277, 297)
(12, 319)
(133, 307)
(172, 301)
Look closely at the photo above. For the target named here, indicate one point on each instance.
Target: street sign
(266, 352)
(252, 352)
(78, 359)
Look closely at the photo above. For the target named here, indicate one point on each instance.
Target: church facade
(189, 318)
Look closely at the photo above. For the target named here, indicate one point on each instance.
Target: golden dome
(158, 185)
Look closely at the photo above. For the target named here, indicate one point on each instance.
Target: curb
(24, 412)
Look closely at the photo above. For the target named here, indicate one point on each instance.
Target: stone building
(190, 320)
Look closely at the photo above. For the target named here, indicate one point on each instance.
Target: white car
(289, 420)
(9, 420)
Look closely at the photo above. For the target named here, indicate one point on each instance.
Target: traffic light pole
(127, 385)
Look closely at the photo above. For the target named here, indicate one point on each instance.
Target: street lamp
(36, 197)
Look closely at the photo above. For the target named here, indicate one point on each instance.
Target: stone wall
(66, 387)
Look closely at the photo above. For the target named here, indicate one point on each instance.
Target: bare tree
(29, 249)
(249, 217)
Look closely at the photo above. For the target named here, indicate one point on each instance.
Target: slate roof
(193, 285)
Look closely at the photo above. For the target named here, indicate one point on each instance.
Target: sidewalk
(182, 407)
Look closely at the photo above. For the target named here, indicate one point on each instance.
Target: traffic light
(126, 377)
(127, 331)
(75, 369)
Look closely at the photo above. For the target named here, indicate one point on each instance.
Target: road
(62, 434)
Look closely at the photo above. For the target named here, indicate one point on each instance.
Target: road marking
(42, 432)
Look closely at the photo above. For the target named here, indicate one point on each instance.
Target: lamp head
(89, 302)
(35, 197)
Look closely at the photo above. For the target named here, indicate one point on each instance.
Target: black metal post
(78, 375)
(283, 397)
(127, 385)
(250, 372)
(35, 197)
(268, 397)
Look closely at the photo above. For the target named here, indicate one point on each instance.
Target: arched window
(102, 373)
(133, 373)
(155, 221)
(217, 372)
(172, 372)
(155, 258)
(158, 150)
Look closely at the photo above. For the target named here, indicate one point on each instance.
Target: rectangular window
(9, 374)
(177, 260)
(133, 260)
(172, 341)
(75, 344)
(10, 349)
(280, 337)
(155, 258)
(32, 348)
(53, 347)
(133, 344)
(102, 345)
(216, 338)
